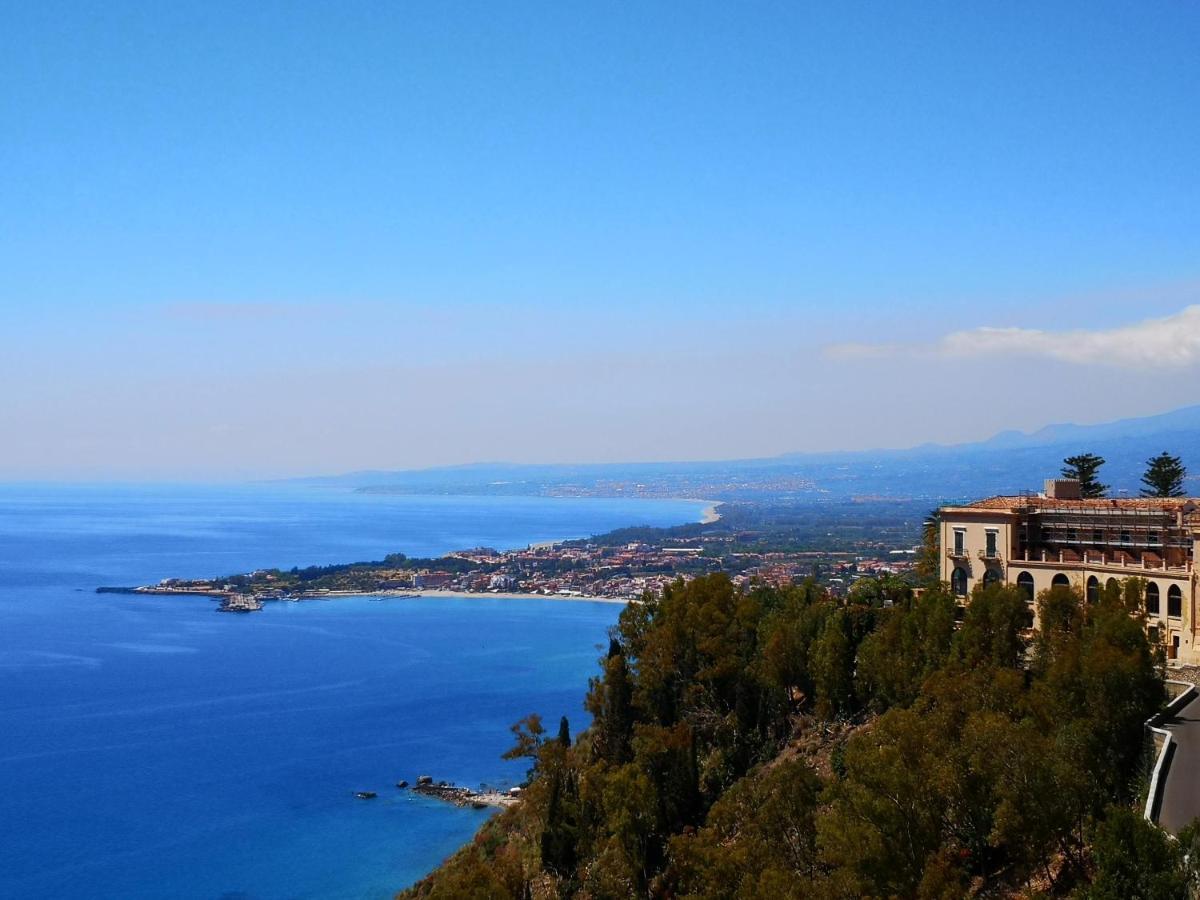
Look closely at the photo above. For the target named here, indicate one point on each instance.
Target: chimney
(1063, 489)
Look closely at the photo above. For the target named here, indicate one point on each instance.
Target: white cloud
(1169, 342)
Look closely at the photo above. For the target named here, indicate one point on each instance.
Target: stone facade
(1037, 541)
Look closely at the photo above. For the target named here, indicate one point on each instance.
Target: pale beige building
(1036, 541)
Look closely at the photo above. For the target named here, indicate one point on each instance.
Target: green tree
(1136, 861)
(911, 642)
(1164, 476)
(833, 667)
(528, 735)
(886, 817)
(759, 840)
(989, 766)
(1096, 681)
(793, 625)
(557, 787)
(991, 630)
(1018, 760)
(630, 818)
(1084, 468)
(564, 732)
(879, 593)
(610, 702)
(929, 557)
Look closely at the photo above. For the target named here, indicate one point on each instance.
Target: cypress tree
(616, 714)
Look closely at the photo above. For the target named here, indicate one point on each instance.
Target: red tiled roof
(1158, 504)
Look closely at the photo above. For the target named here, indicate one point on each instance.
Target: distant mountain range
(1178, 424)
(1008, 462)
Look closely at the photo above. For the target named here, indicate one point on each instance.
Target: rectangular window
(960, 541)
(992, 537)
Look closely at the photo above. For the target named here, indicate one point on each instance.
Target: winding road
(1180, 802)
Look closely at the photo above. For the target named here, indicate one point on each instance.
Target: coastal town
(595, 568)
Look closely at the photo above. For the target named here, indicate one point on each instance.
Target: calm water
(152, 747)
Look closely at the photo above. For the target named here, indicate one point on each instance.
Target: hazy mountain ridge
(1008, 461)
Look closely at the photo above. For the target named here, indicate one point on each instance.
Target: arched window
(1093, 589)
(1025, 583)
(1112, 585)
(958, 582)
(1152, 598)
(1174, 601)
(990, 577)
(1060, 580)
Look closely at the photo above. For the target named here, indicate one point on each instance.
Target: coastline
(506, 595)
(382, 594)
(245, 597)
(359, 674)
(711, 514)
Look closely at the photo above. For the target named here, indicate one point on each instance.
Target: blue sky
(276, 238)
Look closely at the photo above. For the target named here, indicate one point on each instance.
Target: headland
(748, 542)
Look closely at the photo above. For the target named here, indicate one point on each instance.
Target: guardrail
(1152, 795)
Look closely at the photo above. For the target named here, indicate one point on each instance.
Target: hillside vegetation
(778, 743)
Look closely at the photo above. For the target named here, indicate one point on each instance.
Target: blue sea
(153, 747)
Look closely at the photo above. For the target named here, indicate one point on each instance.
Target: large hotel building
(1037, 541)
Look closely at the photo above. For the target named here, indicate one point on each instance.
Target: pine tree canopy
(1084, 468)
(1164, 476)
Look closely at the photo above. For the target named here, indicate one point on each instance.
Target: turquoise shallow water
(151, 747)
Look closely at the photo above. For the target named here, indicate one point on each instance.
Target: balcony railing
(1102, 561)
(957, 552)
(990, 555)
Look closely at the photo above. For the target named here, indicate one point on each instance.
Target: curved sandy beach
(506, 595)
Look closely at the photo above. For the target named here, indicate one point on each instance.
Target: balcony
(957, 552)
(1118, 562)
(990, 555)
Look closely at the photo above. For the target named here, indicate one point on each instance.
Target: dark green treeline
(980, 755)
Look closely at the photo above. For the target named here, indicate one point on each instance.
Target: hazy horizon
(246, 243)
(267, 478)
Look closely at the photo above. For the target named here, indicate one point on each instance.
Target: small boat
(365, 795)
